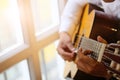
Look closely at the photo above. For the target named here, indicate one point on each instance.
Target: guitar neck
(96, 47)
(99, 53)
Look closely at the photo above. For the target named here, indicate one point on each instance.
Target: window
(2, 76)
(10, 27)
(52, 65)
(28, 30)
(19, 71)
(46, 15)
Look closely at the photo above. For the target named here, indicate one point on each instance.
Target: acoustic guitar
(96, 22)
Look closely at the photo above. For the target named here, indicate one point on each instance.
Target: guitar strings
(90, 44)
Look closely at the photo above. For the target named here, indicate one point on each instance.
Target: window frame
(33, 43)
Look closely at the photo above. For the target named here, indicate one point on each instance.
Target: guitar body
(94, 22)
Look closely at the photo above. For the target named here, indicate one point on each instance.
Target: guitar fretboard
(98, 49)
(95, 46)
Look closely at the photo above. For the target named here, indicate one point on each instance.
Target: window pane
(10, 27)
(2, 76)
(51, 63)
(45, 13)
(19, 71)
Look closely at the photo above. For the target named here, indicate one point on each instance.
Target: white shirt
(73, 10)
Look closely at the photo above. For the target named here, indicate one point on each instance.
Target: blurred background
(28, 40)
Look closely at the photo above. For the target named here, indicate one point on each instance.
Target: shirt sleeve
(71, 15)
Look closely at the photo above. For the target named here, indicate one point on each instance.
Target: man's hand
(88, 65)
(65, 47)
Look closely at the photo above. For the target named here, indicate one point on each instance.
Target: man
(69, 20)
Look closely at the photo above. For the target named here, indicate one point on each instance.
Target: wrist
(63, 34)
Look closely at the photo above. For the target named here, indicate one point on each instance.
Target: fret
(95, 46)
